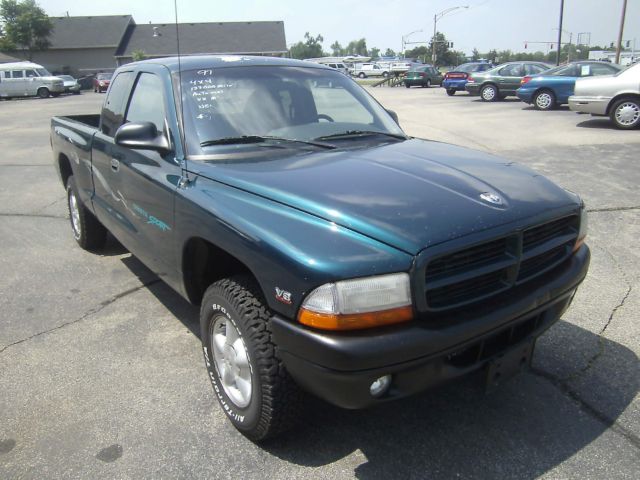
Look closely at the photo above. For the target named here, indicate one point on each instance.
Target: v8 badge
(283, 296)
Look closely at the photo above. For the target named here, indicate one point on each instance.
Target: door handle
(115, 164)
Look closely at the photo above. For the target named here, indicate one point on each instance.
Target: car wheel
(43, 92)
(489, 93)
(451, 92)
(544, 100)
(361, 75)
(428, 85)
(385, 74)
(249, 380)
(407, 85)
(88, 232)
(625, 113)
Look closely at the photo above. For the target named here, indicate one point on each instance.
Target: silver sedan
(617, 96)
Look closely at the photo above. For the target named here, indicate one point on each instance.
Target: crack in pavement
(32, 215)
(612, 209)
(60, 199)
(87, 314)
(562, 386)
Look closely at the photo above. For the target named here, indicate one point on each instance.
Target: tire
(428, 85)
(87, 231)
(234, 317)
(625, 113)
(544, 100)
(489, 93)
(43, 92)
(407, 85)
(385, 74)
(451, 92)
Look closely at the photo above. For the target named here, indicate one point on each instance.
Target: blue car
(554, 87)
(455, 80)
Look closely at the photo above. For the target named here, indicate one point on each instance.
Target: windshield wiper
(361, 133)
(246, 139)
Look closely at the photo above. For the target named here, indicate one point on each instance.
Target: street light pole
(437, 17)
(404, 40)
(619, 45)
(560, 32)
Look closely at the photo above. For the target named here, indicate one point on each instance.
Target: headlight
(584, 225)
(359, 303)
(101, 84)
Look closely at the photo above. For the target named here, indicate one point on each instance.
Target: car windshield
(468, 67)
(104, 76)
(43, 72)
(563, 71)
(68, 78)
(241, 105)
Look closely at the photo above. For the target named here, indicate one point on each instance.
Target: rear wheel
(249, 380)
(361, 75)
(428, 83)
(43, 92)
(625, 113)
(451, 92)
(88, 232)
(407, 85)
(489, 93)
(544, 100)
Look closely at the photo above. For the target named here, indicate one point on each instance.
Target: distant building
(82, 45)
(626, 58)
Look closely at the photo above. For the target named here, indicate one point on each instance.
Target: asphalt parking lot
(101, 373)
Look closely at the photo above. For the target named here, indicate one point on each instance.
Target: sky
(486, 24)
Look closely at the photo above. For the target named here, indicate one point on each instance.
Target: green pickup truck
(330, 253)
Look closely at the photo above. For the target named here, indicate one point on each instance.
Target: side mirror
(394, 115)
(142, 136)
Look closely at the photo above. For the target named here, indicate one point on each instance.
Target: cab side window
(113, 111)
(147, 101)
(17, 74)
(530, 69)
(511, 71)
(31, 73)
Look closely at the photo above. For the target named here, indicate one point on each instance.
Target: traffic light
(628, 43)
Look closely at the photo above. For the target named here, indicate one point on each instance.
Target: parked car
(423, 76)
(364, 70)
(86, 82)
(101, 82)
(549, 89)
(456, 79)
(503, 80)
(329, 252)
(26, 79)
(617, 96)
(71, 85)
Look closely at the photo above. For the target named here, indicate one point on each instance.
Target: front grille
(481, 271)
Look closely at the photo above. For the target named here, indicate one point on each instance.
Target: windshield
(104, 76)
(43, 72)
(294, 103)
(468, 67)
(68, 78)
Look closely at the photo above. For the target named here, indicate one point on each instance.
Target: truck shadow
(578, 387)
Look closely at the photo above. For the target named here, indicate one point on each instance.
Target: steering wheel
(322, 116)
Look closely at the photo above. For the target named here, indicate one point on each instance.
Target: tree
(357, 47)
(310, 48)
(475, 55)
(374, 52)
(138, 55)
(389, 53)
(27, 27)
(337, 49)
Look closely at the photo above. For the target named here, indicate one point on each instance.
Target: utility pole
(619, 45)
(560, 32)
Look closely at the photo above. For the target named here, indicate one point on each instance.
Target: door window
(17, 74)
(113, 110)
(511, 71)
(31, 73)
(147, 101)
(533, 69)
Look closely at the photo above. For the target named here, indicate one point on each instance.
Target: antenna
(180, 127)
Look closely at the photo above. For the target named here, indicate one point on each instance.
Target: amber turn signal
(355, 321)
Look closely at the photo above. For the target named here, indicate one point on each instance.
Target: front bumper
(340, 367)
(472, 88)
(592, 105)
(73, 88)
(457, 85)
(55, 88)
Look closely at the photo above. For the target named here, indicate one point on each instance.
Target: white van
(25, 79)
(363, 70)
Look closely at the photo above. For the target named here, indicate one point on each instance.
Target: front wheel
(249, 380)
(428, 85)
(451, 92)
(544, 100)
(43, 92)
(88, 232)
(361, 75)
(407, 85)
(489, 93)
(625, 113)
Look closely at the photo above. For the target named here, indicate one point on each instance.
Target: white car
(364, 70)
(617, 96)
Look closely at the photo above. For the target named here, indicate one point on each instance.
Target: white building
(626, 58)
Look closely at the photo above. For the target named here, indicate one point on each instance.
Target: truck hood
(409, 195)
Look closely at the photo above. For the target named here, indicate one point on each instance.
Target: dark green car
(503, 80)
(423, 77)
